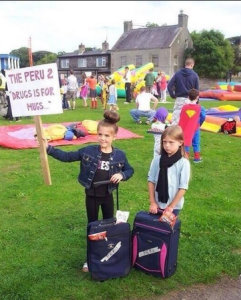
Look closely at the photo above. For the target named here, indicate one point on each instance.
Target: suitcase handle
(108, 221)
(98, 183)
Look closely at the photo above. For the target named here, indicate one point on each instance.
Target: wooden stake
(42, 148)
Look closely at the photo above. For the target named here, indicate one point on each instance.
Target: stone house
(97, 61)
(163, 45)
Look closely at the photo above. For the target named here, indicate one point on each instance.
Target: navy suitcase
(155, 245)
(109, 257)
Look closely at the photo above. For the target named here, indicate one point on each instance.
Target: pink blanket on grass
(22, 136)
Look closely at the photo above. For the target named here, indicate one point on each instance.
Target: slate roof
(147, 38)
(86, 53)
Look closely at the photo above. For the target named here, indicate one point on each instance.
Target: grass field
(43, 228)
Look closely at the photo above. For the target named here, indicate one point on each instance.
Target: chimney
(105, 46)
(81, 48)
(128, 25)
(182, 20)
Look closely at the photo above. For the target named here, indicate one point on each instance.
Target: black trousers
(94, 203)
(128, 91)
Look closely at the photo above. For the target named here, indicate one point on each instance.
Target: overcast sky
(63, 25)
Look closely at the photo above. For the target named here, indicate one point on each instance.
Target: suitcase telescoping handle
(98, 183)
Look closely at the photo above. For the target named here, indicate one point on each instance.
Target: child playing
(159, 125)
(163, 87)
(84, 89)
(191, 118)
(98, 163)
(169, 173)
(104, 93)
(65, 104)
(113, 96)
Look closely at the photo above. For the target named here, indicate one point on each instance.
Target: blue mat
(208, 99)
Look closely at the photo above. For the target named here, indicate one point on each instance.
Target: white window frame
(155, 56)
(123, 59)
(175, 61)
(138, 57)
(186, 44)
(64, 63)
(82, 62)
(101, 61)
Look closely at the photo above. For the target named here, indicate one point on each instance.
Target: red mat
(22, 136)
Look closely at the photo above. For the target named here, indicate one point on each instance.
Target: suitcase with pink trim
(155, 245)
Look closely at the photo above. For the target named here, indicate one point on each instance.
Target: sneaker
(126, 102)
(139, 122)
(147, 122)
(85, 267)
(197, 160)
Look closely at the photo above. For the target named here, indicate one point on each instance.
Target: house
(9, 61)
(97, 61)
(163, 45)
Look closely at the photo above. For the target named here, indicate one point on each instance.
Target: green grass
(43, 228)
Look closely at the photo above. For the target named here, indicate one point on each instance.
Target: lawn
(43, 228)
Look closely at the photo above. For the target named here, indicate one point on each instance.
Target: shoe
(126, 102)
(147, 122)
(197, 160)
(139, 122)
(85, 267)
(18, 121)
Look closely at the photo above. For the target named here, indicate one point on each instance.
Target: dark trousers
(128, 91)
(92, 207)
(65, 102)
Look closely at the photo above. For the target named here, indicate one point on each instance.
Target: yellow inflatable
(91, 126)
(54, 132)
(118, 74)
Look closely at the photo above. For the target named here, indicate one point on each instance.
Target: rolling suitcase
(108, 247)
(155, 245)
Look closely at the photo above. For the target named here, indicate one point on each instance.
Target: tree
(47, 59)
(22, 53)
(236, 44)
(213, 54)
(39, 55)
(151, 24)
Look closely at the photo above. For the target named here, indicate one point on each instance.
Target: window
(175, 60)
(123, 61)
(65, 63)
(100, 61)
(186, 44)
(155, 60)
(138, 60)
(82, 62)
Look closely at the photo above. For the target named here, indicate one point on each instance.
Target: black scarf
(162, 184)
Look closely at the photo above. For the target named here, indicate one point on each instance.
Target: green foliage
(149, 24)
(43, 228)
(22, 53)
(213, 54)
(39, 55)
(47, 59)
(237, 59)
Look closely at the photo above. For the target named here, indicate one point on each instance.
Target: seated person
(143, 107)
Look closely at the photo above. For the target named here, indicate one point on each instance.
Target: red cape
(189, 118)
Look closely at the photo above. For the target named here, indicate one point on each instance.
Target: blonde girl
(169, 173)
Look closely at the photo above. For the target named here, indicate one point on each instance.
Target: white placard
(34, 91)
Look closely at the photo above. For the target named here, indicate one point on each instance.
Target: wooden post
(42, 148)
(40, 134)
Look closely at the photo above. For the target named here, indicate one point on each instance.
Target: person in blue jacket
(179, 86)
(99, 163)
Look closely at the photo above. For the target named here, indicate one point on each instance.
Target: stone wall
(206, 83)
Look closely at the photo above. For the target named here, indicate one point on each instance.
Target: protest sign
(34, 91)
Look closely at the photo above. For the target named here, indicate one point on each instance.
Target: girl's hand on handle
(153, 208)
(116, 178)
